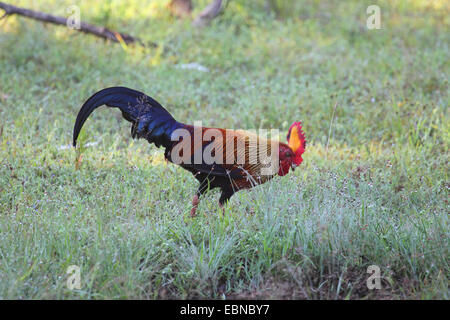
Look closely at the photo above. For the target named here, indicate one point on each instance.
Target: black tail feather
(149, 119)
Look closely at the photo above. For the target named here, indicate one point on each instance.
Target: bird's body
(235, 165)
(231, 160)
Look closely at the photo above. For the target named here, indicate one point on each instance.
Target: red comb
(301, 134)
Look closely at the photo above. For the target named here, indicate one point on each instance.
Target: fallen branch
(181, 8)
(101, 32)
(209, 13)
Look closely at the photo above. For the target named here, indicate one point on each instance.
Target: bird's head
(291, 154)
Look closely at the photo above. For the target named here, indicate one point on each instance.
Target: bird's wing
(237, 154)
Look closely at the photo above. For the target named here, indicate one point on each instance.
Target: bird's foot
(223, 208)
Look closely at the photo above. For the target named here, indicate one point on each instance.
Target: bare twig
(331, 124)
(101, 32)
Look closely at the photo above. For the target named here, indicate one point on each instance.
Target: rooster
(231, 160)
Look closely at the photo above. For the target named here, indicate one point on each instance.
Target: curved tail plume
(149, 119)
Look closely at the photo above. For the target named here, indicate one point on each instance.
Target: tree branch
(101, 32)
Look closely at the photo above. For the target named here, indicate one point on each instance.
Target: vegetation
(373, 188)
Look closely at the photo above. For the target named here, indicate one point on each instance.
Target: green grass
(377, 195)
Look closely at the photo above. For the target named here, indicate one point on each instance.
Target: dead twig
(101, 32)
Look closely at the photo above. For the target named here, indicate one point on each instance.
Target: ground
(373, 188)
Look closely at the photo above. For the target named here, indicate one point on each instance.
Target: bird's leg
(224, 197)
(204, 186)
(195, 202)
